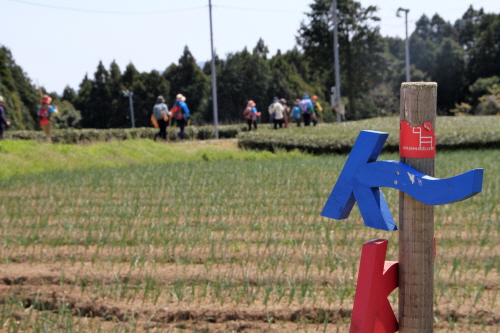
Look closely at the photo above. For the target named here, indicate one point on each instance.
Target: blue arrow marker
(361, 178)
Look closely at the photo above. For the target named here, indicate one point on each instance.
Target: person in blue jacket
(250, 115)
(307, 109)
(297, 115)
(181, 114)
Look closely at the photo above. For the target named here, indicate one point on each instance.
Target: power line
(258, 9)
(83, 10)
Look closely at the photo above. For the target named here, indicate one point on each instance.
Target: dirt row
(38, 287)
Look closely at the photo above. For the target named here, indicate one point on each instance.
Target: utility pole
(407, 43)
(214, 82)
(130, 94)
(336, 56)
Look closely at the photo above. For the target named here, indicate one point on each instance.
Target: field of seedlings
(223, 244)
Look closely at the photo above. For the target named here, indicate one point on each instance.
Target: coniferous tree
(21, 97)
(449, 73)
(360, 44)
(188, 79)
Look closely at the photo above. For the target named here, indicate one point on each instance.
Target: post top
(419, 85)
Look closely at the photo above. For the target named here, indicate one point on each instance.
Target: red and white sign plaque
(417, 142)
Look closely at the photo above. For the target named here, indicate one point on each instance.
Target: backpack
(159, 112)
(247, 114)
(304, 107)
(177, 112)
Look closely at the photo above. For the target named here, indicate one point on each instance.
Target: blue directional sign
(362, 177)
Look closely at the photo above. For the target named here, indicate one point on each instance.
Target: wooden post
(416, 220)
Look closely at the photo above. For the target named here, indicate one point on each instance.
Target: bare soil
(52, 286)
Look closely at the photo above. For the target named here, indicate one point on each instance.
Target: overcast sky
(57, 42)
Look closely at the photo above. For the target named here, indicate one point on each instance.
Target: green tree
(83, 99)
(67, 117)
(244, 76)
(188, 79)
(479, 35)
(490, 103)
(467, 27)
(449, 73)
(423, 46)
(441, 29)
(21, 97)
(484, 57)
(69, 94)
(361, 48)
(480, 88)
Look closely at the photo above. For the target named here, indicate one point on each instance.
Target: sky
(58, 42)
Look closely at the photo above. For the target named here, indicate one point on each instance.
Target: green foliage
(190, 81)
(67, 135)
(361, 55)
(103, 104)
(481, 87)
(490, 103)
(461, 109)
(67, 117)
(449, 73)
(243, 76)
(20, 96)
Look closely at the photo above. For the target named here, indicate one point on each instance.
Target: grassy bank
(22, 157)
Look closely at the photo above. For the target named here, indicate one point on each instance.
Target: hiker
(44, 113)
(160, 117)
(276, 112)
(296, 112)
(3, 121)
(286, 111)
(181, 114)
(318, 110)
(306, 109)
(250, 115)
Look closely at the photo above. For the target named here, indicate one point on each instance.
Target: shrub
(451, 133)
(71, 135)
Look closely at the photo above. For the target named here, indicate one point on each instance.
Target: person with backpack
(3, 121)
(318, 110)
(306, 109)
(276, 111)
(296, 112)
(286, 111)
(250, 115)
(180, 112)
(44, 113)
(159, 118)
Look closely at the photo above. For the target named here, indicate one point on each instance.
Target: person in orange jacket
(44, 113)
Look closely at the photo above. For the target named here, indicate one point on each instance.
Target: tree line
(463, 58)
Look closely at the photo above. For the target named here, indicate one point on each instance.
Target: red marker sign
(417, 142)
(377, 278)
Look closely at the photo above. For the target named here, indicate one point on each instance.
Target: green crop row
(68, 136)
(451, 133)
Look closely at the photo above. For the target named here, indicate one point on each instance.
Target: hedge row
(451, 133)
(70, 136)
(478, 132)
